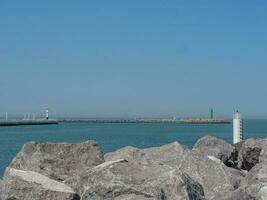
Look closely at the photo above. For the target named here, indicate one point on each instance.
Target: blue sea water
(114, 136)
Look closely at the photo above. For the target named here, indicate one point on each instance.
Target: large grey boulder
(255, 183)
(58, 160)
(29, 185)
(169, 154)
(216, 178)
(211, 146)
(123, 180)
(250, 153)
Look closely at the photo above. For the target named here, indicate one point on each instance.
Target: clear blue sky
(136, 58)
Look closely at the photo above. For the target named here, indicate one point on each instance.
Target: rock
(239, 194)
(211, 146)
(70, 171)
(29, 185)
(194, 189)
(218, 161)
(237, 147)
(58, 161)
(1, 189)
(216, 178)
(256, 181)
(213, 175)
(250, 153)
(170, 154)
(121, 180)
(262, 195)
(263, 154)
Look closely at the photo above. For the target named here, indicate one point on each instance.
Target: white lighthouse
(47, 114)
(237, 128)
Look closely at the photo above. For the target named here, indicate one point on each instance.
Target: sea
(112, 136)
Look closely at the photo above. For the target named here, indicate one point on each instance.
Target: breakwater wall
(181, 121)
(27, 122)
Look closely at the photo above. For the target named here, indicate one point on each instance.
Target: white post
(237, 128)
(47, 114)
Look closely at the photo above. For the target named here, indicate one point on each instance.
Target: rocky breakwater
(212, 170)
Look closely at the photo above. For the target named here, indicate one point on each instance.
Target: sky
(138, 58)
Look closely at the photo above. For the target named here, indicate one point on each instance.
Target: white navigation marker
(237, 128)
(47, 114)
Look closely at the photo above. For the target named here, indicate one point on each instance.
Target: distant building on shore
(237, 127)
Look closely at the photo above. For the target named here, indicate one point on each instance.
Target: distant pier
(175, 121)
(118, 121)
(27, 122)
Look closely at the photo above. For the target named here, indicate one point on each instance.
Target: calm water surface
(114, 136)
